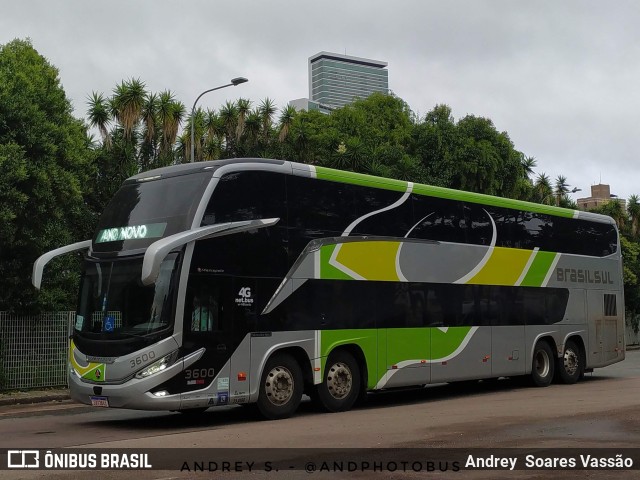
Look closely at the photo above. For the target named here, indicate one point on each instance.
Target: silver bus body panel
(135, 393)
(488, 352)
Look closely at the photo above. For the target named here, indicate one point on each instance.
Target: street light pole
(234, 82)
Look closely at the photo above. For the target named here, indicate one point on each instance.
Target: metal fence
(34, 350)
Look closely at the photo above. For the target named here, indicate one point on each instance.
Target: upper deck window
(153, 209)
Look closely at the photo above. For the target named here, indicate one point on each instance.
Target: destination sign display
(131, 232)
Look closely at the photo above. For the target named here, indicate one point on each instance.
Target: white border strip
(551, 270)
(486, 257)
(527, 266)
(333, 260)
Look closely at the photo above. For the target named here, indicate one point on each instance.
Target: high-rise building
(336, 80)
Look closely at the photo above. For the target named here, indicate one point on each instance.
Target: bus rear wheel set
(282, 385)
(568, 368)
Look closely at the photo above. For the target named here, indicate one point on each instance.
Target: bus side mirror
(38, 266)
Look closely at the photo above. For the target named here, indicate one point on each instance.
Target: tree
(542, 190)
(561, 188)
(138, 129)
(285, 121)
(45, 166)
(631, 276)
(633, 209)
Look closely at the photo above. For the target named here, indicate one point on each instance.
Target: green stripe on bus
(366, 339)
(539, 269)
(328, 271)
(445, 341)
(361, 179)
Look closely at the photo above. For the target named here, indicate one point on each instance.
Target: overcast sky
(561, 77)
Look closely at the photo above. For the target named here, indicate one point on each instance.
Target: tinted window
(395, 222)
(438, 219)
(327, 304)
(320, 206)
(529, 230)
(243, 196)
(317, 209)
(478, 225)
(166, 206)
(247, 196)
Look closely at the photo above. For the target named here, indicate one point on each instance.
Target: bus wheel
(570, 365)
(543, 364)
(340, 387)
(281, 387)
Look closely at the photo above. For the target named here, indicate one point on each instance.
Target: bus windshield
(115, 305)
(142, 212)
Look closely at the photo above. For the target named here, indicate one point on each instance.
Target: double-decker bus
(256, 281)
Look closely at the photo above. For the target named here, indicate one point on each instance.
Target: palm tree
(171, 115)
(243, 107)
(542, 190)
(99, 116)
(252, 127)
(127, 102)
(267, 111)
(614, 209)
(229, 117)
(214, 125)
(528, 164)
(561, 188)
(198, 122)
(148, 116)
(285, 121)
(633, 209)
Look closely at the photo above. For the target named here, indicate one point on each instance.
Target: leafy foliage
(54, 181)
(44, 171)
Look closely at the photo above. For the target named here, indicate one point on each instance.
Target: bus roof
(343, 176)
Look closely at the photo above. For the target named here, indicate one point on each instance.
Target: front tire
(542, 365)
(281, 387)
(341, 384)
(571, 364)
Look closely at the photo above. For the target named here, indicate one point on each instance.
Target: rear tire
(281, 387)
(340, 387)
(571, 364)
(542, 365)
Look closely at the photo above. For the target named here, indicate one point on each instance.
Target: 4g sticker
(244, 298)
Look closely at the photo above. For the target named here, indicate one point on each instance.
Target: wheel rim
(571, 362)
(279, 385)
(542, 363)
(339, 381)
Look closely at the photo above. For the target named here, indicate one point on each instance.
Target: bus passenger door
(407, 357)
(507, 333)
(209, 323)
(407, 339)
(460, 337)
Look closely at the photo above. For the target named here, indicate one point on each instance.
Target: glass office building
(336, 80)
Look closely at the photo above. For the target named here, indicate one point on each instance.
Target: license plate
(100, 401)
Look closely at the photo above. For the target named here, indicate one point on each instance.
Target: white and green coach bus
(256, 281)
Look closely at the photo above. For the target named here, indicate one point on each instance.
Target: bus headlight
(158, 366)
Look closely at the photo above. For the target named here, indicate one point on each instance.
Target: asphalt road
(601, 411)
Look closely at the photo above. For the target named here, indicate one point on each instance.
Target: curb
(35, 397)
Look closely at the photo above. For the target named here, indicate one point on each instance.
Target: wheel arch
(578, 338)
(358, 354)
(549, 340)
(298, 353)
